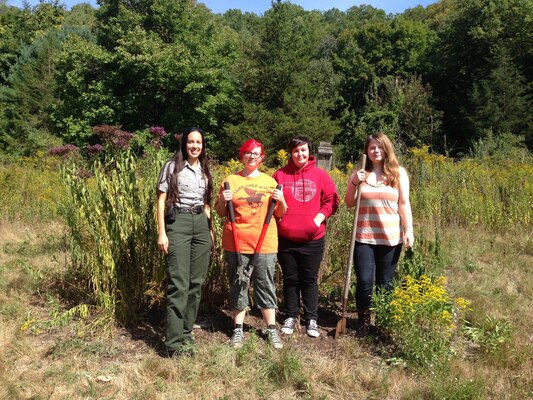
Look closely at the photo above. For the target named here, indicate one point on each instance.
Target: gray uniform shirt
(192, 183)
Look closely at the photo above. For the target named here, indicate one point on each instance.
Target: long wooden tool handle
(231, 212)
(352, 246)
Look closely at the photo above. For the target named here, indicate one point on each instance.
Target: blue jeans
(373, 261)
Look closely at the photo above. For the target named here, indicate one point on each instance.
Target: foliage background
(446, 76)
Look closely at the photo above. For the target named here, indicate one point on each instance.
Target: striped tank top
(379, 220)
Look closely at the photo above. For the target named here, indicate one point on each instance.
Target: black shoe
(364, 318)
(168, 353)
(187, 349)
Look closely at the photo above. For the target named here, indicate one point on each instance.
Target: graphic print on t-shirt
(303, 190)
(254, 198)
(252, 195)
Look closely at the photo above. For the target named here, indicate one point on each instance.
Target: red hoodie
(307, 191)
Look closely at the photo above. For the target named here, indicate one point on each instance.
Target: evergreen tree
(29, 97)
(501, 102)
(470, 34)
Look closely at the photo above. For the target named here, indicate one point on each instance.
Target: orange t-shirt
(251, 198)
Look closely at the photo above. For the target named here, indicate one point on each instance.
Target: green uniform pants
(187, 261)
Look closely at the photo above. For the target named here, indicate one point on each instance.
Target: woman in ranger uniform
(184, 193)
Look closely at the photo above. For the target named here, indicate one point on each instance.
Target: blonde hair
(391, 166)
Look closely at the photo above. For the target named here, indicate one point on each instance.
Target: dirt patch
(214, 326)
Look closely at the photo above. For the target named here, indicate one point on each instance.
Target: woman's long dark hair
(179, 159)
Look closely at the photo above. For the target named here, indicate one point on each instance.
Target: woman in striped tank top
(385, 220)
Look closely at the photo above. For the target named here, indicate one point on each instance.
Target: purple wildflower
(158, 132)
(84, 173)
(156, 144)
(105, 132)
(94, 149)
(63, 151)
(122, 139)
(113, 136)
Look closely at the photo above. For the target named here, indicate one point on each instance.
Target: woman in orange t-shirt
(250, 192)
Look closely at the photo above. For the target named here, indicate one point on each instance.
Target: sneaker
(312, 328)
(237, 338)
(288, 326)
(273, 338)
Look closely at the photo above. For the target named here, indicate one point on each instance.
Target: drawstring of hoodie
(303, 184)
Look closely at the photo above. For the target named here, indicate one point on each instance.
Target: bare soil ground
(214, 325)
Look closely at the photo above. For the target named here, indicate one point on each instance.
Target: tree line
(450, 76)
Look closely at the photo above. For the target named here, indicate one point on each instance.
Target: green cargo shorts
(264, 287)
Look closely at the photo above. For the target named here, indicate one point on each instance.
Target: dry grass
(494, 275)
(73, 362)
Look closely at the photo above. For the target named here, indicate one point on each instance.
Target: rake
(341, 325)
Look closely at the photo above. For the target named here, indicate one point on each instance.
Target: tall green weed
(426, 257)
(490, 333)
(113, 224)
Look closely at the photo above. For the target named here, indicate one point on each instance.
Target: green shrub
(424, 258)
(421, 318)
(490, 334)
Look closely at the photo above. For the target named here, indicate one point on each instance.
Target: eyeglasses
(250, 154)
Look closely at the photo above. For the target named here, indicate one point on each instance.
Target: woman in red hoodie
(311, 198)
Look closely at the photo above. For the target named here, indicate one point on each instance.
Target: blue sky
(260, 6)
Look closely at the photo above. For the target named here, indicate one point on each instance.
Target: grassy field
(56, 343)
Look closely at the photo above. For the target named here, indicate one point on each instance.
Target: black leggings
(300, 263)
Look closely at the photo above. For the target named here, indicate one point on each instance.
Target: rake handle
(352, 247)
